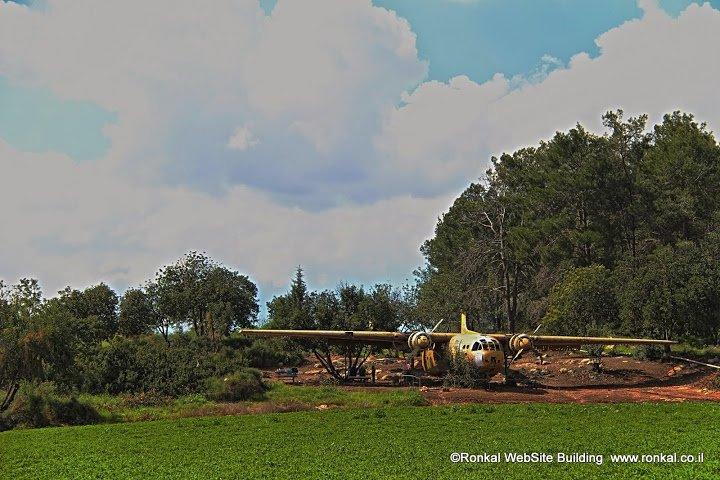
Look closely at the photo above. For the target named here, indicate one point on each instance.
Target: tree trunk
(9, 396)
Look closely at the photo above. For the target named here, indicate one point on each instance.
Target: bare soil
(562, 377)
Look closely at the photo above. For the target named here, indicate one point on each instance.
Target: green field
(280, 398)
(392, 442)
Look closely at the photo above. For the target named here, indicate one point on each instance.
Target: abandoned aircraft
(432, 352)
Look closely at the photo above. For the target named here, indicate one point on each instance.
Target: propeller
(421, 340)
(522, 342)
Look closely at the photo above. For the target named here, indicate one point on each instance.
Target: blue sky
(34, 120)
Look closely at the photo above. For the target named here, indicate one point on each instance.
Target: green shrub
(245, 384)
(464, 375)
(273, 353)
(649, 352)
(149, 364)
(39, 405)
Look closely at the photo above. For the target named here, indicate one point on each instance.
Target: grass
(383, 443)
(280, 398)
(705, 352)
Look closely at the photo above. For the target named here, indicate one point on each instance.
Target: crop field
(383, 443)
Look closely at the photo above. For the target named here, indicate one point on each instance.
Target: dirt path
(571, 379)
(566, 377)
(502, 394)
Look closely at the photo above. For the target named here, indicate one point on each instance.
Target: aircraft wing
(561, 341)
(345, 336)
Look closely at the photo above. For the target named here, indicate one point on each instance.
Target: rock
(322, 407)
(563, 370)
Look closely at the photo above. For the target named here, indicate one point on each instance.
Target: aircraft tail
(463, 324)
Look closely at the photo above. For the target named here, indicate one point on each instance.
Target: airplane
(434, 351)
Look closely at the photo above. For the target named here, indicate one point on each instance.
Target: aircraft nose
(479, 359)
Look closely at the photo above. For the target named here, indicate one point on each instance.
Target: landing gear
(509, 380)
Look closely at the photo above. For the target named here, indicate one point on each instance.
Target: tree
(208, 297)
(35, 341)
(583, 303)
(95, 308)
(681, 180)
(137, 313)
(349, 307)
(579, 200)
(230, 302)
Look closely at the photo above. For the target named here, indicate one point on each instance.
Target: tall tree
(199, 293)
(137, 313)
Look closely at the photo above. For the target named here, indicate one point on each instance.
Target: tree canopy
(634, 212)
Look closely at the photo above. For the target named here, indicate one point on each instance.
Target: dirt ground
(563, 377)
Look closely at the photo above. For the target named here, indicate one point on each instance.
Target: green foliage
(645, 207)
(673, 292)
(583, 303)
(149, 364)
(649, 352)
(326, 444)
(245, 384)
(463, 375)
(350, 307)
(137, 313)
(270, 353)
(37, 340)
(198, 293)
(39, 405)
(95, 310)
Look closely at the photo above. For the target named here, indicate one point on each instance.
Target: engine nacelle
(520, 341)
(419, 341)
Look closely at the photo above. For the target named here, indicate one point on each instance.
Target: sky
(319, 133)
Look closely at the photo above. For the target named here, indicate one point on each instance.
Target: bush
(245, 384)
(464, 375)
(649, 352)
(39, 405)
(273, 353)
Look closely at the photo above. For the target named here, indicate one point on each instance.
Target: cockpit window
(475, 346)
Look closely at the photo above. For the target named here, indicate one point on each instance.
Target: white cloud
(70, 223)
(315, 79)
(242, 139)
(321, 83)
(652, 65)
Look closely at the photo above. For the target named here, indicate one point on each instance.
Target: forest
(615, 233)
